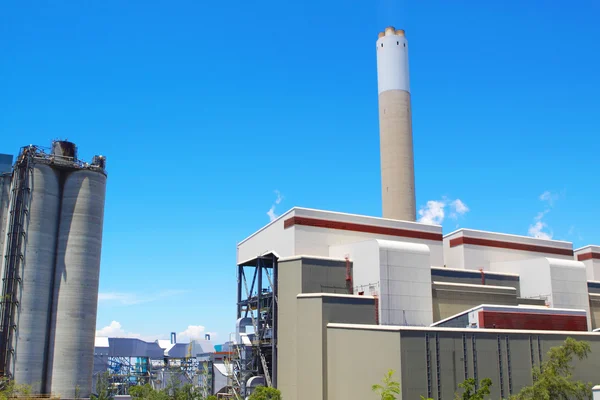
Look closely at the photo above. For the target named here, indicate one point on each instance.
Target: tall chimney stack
(395, 126)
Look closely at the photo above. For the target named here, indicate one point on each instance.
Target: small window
(397, 43)
(404, 44)
(381, 44)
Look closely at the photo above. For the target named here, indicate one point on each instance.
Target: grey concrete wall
(289, 285)
(313, 315)
(310, 350)
(595, 311)
(358, 359)
(433, 362)
(473, 278)
(447, 303)
(324, 276)
(296, 276)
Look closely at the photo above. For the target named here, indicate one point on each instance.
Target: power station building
(335, 300)
(51, 214)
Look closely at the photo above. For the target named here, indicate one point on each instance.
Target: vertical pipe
(275, 320)
(376, 309)
(349, 286)
(259, 319)
(239, 291)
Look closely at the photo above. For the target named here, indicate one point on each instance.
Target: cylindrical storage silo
(37, 273)
(71, 356)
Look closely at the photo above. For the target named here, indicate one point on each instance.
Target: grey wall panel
(310, 373)
(487, 361)
(595, 313)
(520, 361)
(451, 364)
(447, 303)
(351, 373)
(289, 286)
(414, 358)
(76, 283)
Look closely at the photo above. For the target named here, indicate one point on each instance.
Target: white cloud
(537, 230)
(434, 212)
(271, 212)
(460, 208)
(194, 332)
(123, 298)
(128, 299)
(114, 329)
(549, 197)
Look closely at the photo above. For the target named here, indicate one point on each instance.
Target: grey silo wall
(37, 271)
(75, 300)
(5, 182)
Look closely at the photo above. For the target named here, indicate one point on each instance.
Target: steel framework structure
(256, 300)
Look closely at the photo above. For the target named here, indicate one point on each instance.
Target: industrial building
(314, 286)
(51, 213)
(132, 361)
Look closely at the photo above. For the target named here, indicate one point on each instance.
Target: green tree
(469, 390)
(389, 388)
(471, 393)
(265, 393)
(553, 379)
(9, 389)
(102, 388)
(146, 392)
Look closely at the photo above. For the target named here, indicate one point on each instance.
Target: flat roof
(341, 295)
(521, 308)
(459, 330)
(352, 219)
(508, 235)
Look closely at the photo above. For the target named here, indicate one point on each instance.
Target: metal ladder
(14, 256)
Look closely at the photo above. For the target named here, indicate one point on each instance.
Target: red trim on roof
(588, 256)
(349, 226)
(509, 245)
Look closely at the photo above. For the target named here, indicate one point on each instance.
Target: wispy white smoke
(271, 212)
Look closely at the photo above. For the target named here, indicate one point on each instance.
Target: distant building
(131, 361)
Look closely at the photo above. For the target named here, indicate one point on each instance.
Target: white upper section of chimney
(392, 61)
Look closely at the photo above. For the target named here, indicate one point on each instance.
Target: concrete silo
(53, 239)
(37, 274)
(395, 126)
(76, 282)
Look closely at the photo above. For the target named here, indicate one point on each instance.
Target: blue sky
(205, 109)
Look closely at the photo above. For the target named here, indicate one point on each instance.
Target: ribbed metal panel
(37, 272)
(76, 284)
